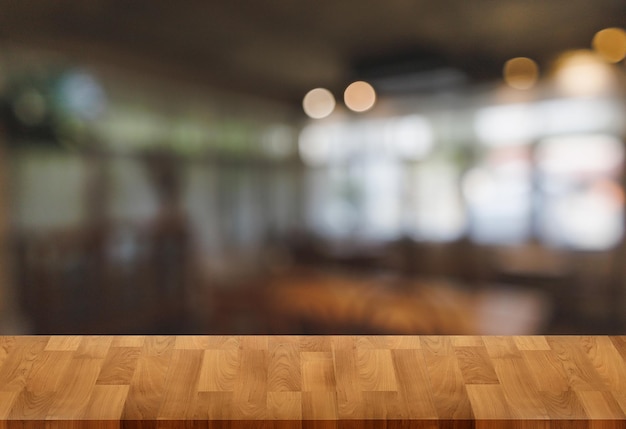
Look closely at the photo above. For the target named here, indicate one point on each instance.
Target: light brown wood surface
(308, 381)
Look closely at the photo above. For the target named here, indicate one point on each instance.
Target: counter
(312, 381)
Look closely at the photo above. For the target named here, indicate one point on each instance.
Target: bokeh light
(610, 43)
(521, 73)
(315, 144)
(82, 95)
(318, 103)
(583, 73)
(359, 96)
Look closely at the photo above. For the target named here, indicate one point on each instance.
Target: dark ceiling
(280, 49)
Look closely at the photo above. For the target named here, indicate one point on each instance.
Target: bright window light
(502, 125)
(580, 154)
(412, 137)
(578, 115)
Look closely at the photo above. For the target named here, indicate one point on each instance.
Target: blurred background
(328, 167)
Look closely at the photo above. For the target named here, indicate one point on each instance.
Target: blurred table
(313, 302)
(312, 381)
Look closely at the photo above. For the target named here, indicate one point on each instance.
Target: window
(581, 200)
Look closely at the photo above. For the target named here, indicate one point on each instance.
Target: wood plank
(531, 343)
(250, 388)
(476, 365)
(318, 372)
(191, 342)
(605, 359)
(223, 342)
(519, 389)
(158, 345)
(119, 365)
(466, 341)
(147, 387)
(385, 405)
(349, 394)
(414, 383)
(284, 405)
(447, 387)
(93, 347)
(32, 405)
(319, 406)
(563, 405)
(48, 371)
(501, 347)
(128, 341)
(581, 374)
(375, 369)
(546, 370)
(284, 369)
(388, 342)
(219, 371)
(7, 344)
(106, 402)
(63, 343)
(6, 403)
(73, 396)
(620, 397)
(19, 362)
(600, 405)
(249, 342)
(619, 342)
(437, 346)
(488, 402)
(341, 342)
(214, 406)
(181, 385)
(315, 343)
(446, 379)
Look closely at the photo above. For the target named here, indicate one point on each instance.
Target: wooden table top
(322, 381)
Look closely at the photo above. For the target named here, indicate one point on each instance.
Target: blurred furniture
(106, 279)
(324, 303)
(306, 301)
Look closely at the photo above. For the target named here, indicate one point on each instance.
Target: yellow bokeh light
(583, 73)
(610, 44)
(318, 103)
(359, 96)
(521, 73)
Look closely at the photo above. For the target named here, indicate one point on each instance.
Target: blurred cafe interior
(329, 167)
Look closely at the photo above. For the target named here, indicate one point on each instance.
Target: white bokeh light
(318, 103)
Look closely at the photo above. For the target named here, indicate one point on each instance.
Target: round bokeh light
(359, 96)
(318, 103)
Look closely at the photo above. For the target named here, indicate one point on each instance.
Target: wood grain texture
(289, 382)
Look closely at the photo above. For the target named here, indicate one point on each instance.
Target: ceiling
(279, 49)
